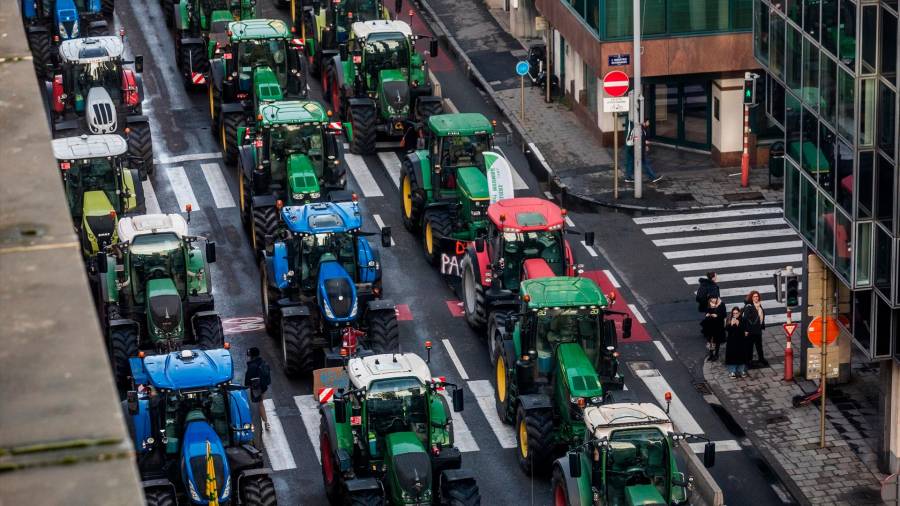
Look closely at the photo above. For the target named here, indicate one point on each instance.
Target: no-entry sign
(615, 83)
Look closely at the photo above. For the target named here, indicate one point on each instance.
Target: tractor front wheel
(410, 212)
(123, 344)
(331, 473)
(215, 102)
(473, 294)
(296, 345)
(258, 490)
(426, 109)
(461, 493)
(41, 53)
(362, 119)
(501, 389)
(209, 334)
(269, 295)
(160, 497)
(140, 145)
(332, 89)
(192, 58)
(558, 486)
(265, 221)
(228, 131)
(383, 335)
(437, 225)
(534, 435)
(366, 498)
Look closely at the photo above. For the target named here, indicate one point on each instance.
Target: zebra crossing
(745, 247)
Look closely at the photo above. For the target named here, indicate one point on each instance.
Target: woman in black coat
(713, 327)
(754, 318)
(738, 349)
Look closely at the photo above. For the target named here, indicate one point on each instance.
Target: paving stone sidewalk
(845, 471)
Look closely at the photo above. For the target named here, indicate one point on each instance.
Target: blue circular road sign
(522, 68)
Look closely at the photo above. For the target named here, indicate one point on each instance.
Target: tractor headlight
(597, 400)
(315, 195)
(371, 263)
(354, 308)
(298, 196)
(327, 309)
(194, 495)
(74, 30)
(247, 426)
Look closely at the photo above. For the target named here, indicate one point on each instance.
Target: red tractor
(525, 239)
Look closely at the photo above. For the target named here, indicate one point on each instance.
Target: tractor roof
(526, 214)
(562, 291)
(322, 217)
(603, 420)
(292, 112)
(186, 369)
(89, 146)
(363, 29)
(467, 123)
(91, 49)
(363, 371)
(145, 224)
(255, 29)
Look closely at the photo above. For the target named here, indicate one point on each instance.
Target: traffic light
(749, 91)
(792, 291)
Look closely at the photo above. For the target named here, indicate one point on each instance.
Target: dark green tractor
(386, 435)
(553, 358)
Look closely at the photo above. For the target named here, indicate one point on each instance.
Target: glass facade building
(831, 86)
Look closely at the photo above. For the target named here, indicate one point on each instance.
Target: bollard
(788, 353)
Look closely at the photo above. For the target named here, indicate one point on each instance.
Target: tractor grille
(397, 95)
(104, 117)
(102, 228)
(340, 296)
(413, 472)
(198, 466)
(165, 311)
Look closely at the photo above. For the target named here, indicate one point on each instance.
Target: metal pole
(638, 103)
(823, 374)
(616, 155)
(745, 156)
(522, 98)
(548, 73)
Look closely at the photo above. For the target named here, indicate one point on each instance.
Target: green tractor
(199, 26)
(380, 85)
(99, 187)
(259, 62)
(553, 359)
(291, 154)
(155, 289)
(386, 435)
(444, 188)
(627, 458)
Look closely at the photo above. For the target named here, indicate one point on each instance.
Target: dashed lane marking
(150, 201)
(589, 249)
(455, 308)
(637, 314)
(663, 351)
(569, 222)
(667, 218)
(190, 157)
(241, 324)
(217, 185)
(309, 413)
(462, 436)
(380, 223)
(484, 396)
(362, 175)
(277, 448)
(178, 180)
(455, 359)
(450, 105)
(612, 279)
(391, 163)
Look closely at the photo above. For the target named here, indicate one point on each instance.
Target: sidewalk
(577, 159)
(845, 471)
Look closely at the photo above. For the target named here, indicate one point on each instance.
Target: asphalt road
(189, 169)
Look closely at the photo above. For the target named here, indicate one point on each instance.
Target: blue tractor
(321, 286)
(49, 22)
(193, 431)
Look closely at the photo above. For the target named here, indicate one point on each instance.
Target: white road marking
(363, 177)
(718, 225)
(731, 236)
(678, 412)
(796, 317)
(753, 211)
(217, 185)
(462, 436)
(663, 351)
(726, 250)
(589, 249)
(518, 182)
(637, 314)
(170, 160)
(612, 279)
(309, 413)
(739, 276)
(569, 222)
(484, 396)
(548, 195)
(152, 204)
(277, 448)
(171, 79)
(178, 180)
(728, 445)
(455, 359)
(380, 223)
(740, 262)
(392, 164)
(346, 146)
(450, 105)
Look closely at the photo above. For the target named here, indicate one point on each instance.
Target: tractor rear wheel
(534, 435)
(362, 119)
(140, 145)
(258, 490)
(296, 345)
(427, 109)
(366, 498)
(331, 473)
(209, 334)
(501, 390)
(160, 497)
(410, 212)
(123, 344)
(265, 221)
(496, 321)
(383, 335)
(461, 493)
(332, 90)
(228, 131)
(192, 58)
(558, 486)
(215, 102)
(438, 224)
(108, 7)
(269, 295)
(473, 293)
(41, 53)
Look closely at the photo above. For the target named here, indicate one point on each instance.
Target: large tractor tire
(366, 498)
(209, 334)
(168, 8)
(410, 212)
(501, 389)
(228, 133)
(123, 344)
(258, 490)
(332, 90)
(534, 435)
(160, 497)
(215, 102)
(383, 335)
(331, 472)
(140, 145)
(246, 203)
(437, 224)
(41, 53)
(362, 118)
(427, 109)
(461, 493)
(474, 305)
(265, 221)
(558, 486)
(296, 345)
(496, 321)
(269, 296)
(192, 58)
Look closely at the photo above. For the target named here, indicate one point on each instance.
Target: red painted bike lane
(638, 331)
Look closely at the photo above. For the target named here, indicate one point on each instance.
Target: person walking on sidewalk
(713, 327)
(258, 377)
(709, 287)
(738, 347)
(645, 158)
(754, 318)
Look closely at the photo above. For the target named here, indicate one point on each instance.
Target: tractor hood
(393, 89)
(337, 292)
(265, 85)
(579, 372)
(472, 183)
(98, 224)
(164, 309)
(67, 19)
(302, 178)
(643, 495)
(100, 112)
(186, 369)
(204, 465)
(410, 465)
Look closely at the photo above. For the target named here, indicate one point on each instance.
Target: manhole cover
(776, 419)
(703, 388)
(740, 197)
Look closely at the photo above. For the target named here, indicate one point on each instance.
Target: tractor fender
(454, 475)
(481, 262)
(136, 118)
(381, 305)
(217, 72)
(123, 322)
(192, 40)
(573, 492)
(361, 102)
(340, 454)
(429, 98)
(231, 107)
(570, 259)
(361, 484)
(531, 402)
(263, 201)
(139, 80)
(99, 24)
(180, 14)
(246, 473)
(277, 265)
(160, 483)
(364, 255)
(38, 28)
(199, 315)
(294, 311)
(338, 66)
(246, 155)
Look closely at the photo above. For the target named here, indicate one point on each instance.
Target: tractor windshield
(263, 53)
(351, 11)
(636, 457)
(568, 325)
(95, 175)
(516, 247)
(463, 150)
(315, 248)
(385, 51)
(287, 140)
(397, 405)
(102, 74)
(182, 407)
(157, 256)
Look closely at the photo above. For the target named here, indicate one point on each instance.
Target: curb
(584, 202)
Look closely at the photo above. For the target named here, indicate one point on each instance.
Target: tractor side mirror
(398, 6)
(102, 267)
(574, 464)
(626, 327)
(709, 454)
(433, 48)
(510, 325)
(139, 64)
(211, 252)
(132, 401)
(589, 238)
(386, 237)
(340, 410)
(457, 399)
(344, 52)
(479, 245)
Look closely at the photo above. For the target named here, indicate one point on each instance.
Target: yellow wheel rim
(429, 239)
(407, 197)
(523, 438)
(501, 379)
(253, 233)
(211, 113)
(241, 188)
(224, 138)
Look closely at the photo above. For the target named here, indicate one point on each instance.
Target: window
(792, 127)
(885, 194)
(592, 16)
(794, 57)
(776, 46)
(865, 176)
(846, 125)
(883, 328)
(810, 81)
(847, 34)
(619, 18)
(792, 194)
(828, 92)
(843, 246)
(741, 14)
(887, 134)
(809, 144)
(688, 16)
(795, 11)
(776, 101)
(578, 5)
(811, 17)
(869, 33)
(867, 112)
(862, 319)
(826, 224)
(761, 32)
(863, 254)
(830, 24)
(827, 159)
(808, 210)
(844, 177)
(888, 44)
(881, 273)
(590, 86)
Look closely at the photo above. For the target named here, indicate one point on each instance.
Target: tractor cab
(264, 58)
(385, 49)
(347, 12)
(456, 143)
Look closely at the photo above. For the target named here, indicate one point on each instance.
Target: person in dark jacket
(738, 347)
(709, 287)
(713, 327)
(754, 318)
(257, 378)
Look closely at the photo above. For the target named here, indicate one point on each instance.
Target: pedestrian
(709, 287)
(737, 346)
(646, 167)
(258, 377)
(713, 327)
(754, 318)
